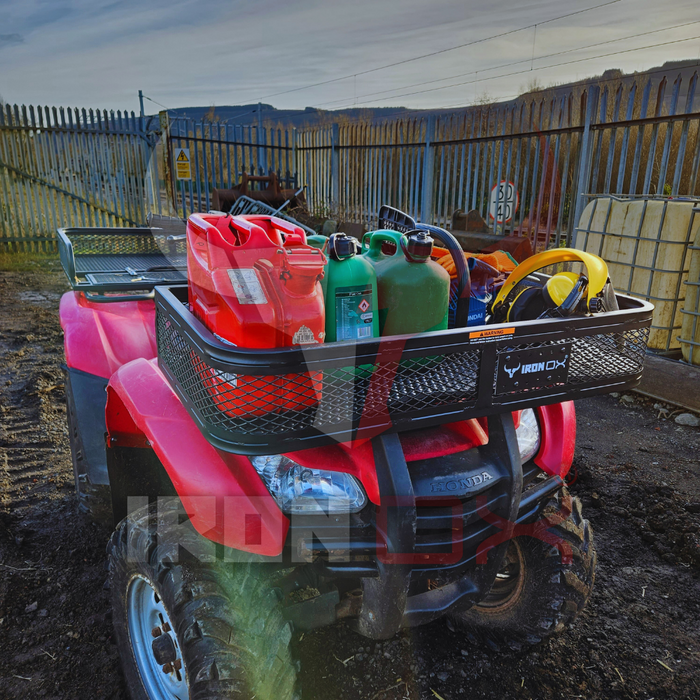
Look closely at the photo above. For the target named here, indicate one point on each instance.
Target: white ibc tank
(645, 244)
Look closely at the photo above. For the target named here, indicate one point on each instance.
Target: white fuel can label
(353, 318)
(247, 286)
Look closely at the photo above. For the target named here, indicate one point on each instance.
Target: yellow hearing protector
(522, 299)
(558, 287)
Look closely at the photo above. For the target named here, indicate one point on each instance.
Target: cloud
(10, 39)
(184, 52)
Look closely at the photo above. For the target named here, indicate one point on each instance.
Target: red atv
(425, 479)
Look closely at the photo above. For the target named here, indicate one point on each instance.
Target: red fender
(558, 438)
(101, 337)
(221, 492)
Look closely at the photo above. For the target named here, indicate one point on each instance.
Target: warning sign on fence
(182, 164)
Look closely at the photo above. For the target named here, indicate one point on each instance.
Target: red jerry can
(254, 289)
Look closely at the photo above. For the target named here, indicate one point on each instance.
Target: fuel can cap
(419, 246)
(341, 246)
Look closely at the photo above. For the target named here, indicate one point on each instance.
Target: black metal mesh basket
(101, 260)
(271, 401)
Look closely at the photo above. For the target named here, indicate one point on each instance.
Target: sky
(98, 54)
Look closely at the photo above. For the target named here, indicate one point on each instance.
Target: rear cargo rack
(108, 260)
(363, 388)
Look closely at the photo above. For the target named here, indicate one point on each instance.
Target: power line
(514, 63)
(146, 97)
(242, 114)
(461, 106)
(554, 65)
(225, 121)
(436, 53)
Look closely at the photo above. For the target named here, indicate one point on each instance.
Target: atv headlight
(299, 489)
(528, 434)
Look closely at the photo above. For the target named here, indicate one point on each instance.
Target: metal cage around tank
(689, 337)
(646, 259)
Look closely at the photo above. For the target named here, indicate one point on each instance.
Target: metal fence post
(167, 160)
(295, 165)
(585, 162)
(151, 177)
(262, 169)
(426, 209)
(335, 168)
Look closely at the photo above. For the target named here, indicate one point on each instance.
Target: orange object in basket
(498, 259)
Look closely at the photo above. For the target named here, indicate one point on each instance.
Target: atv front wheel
(536, 594)
(191, 630)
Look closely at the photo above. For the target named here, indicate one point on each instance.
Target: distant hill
(312, 116)
(614, 77)
(271, 116)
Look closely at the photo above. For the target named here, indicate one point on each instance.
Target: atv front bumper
(435, 544)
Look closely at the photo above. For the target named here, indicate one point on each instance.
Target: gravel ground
(637, 473)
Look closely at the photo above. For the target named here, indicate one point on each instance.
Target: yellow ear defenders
(564, 294)
(558, 287)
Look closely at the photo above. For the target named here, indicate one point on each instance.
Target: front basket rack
(252, 401)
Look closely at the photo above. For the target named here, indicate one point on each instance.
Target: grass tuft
(29, 262)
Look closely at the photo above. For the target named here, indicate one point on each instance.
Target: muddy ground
(638, 475)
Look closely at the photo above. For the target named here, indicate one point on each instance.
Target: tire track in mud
(53, 611)
(31, 394)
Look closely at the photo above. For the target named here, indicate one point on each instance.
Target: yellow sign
(182, 164)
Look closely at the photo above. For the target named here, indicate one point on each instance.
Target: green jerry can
(350, 292)
(414, 291)
(381, 253)
(317, 240)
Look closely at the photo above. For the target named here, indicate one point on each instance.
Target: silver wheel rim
(506, 587)
(145, 613)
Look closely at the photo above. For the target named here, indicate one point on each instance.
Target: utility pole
(143, 126)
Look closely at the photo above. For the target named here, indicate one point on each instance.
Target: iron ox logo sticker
(533, 368)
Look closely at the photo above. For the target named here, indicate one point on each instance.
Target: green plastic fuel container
(414, 291)
(388, 244)
(317, 240)
(350, 292)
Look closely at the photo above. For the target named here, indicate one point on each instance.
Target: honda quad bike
(257, 493)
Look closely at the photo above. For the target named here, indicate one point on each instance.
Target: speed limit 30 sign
(503, 202)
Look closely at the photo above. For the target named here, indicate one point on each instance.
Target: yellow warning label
(182, 164)
(492, 333)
